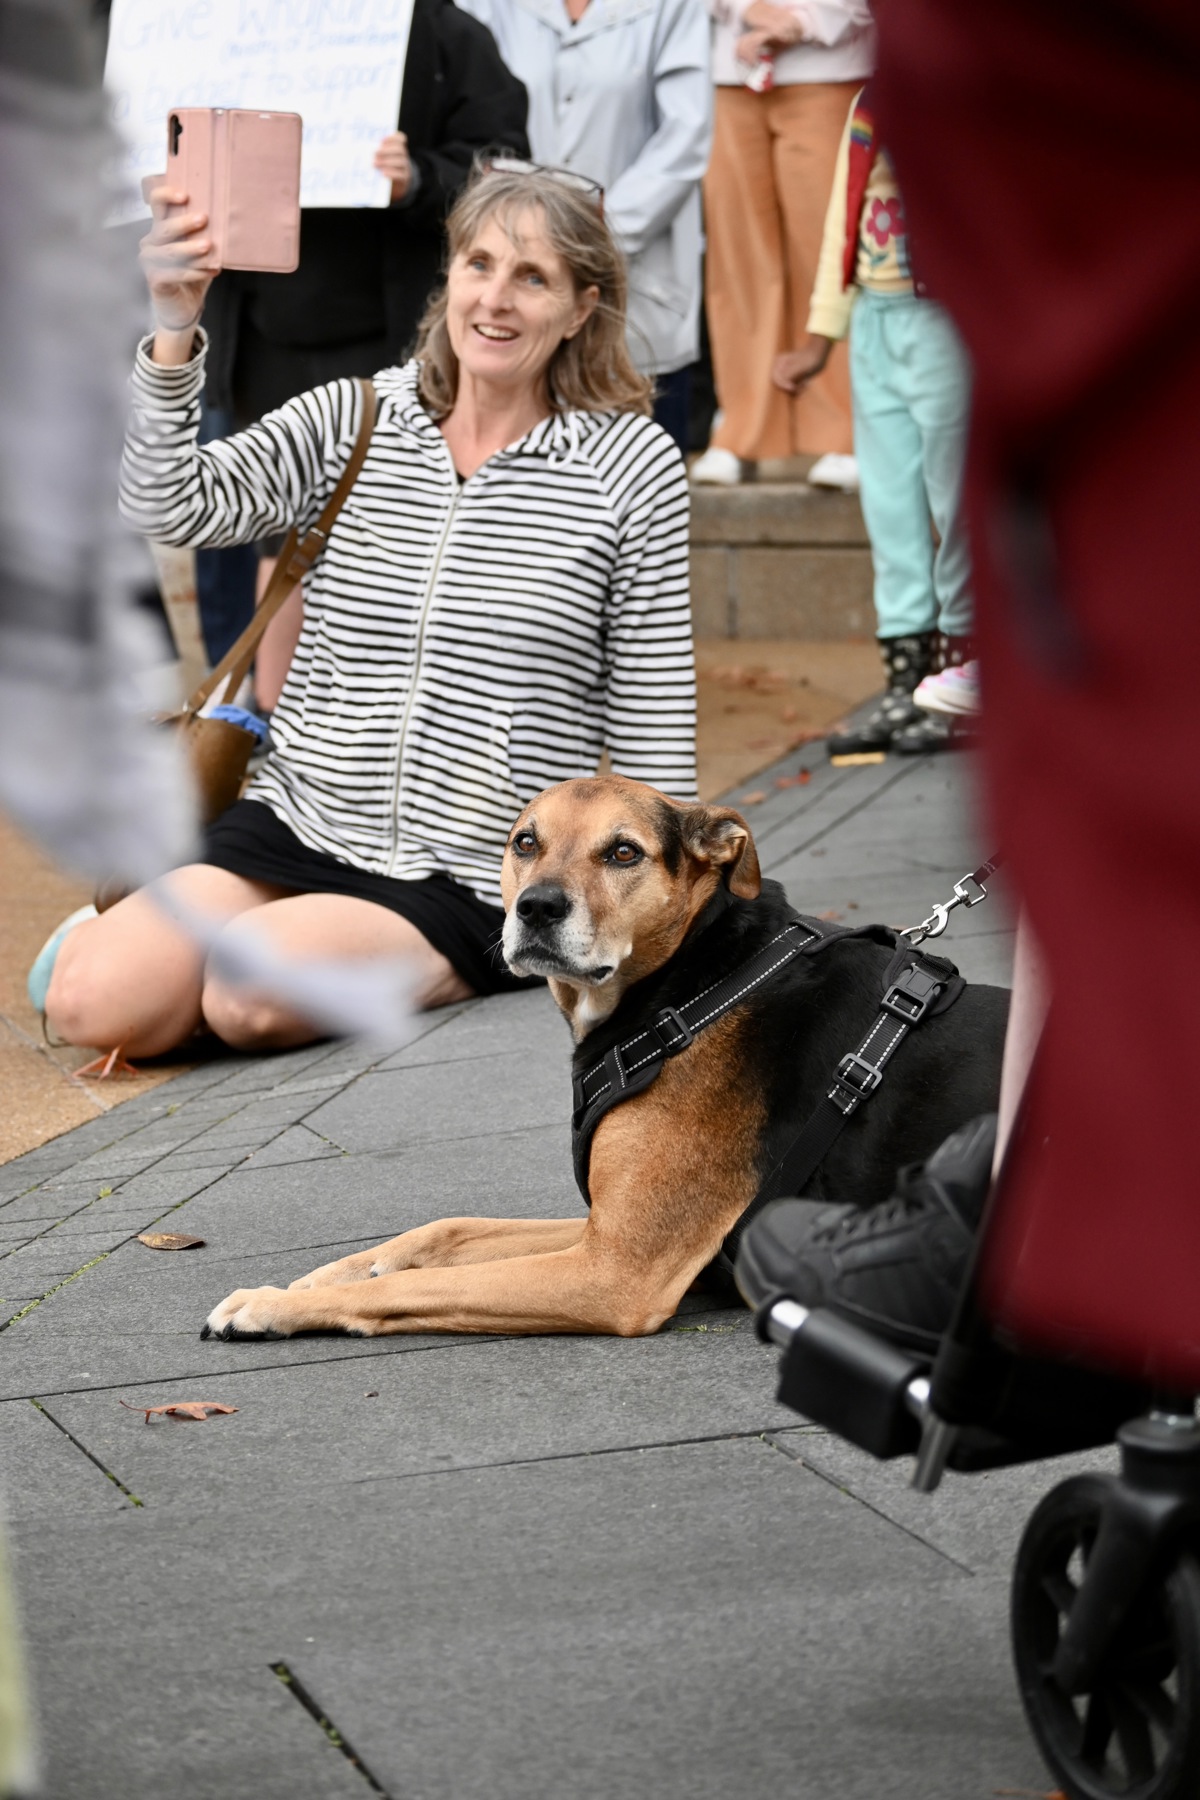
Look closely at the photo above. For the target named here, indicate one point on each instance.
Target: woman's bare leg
(324, 927)
(132, 977)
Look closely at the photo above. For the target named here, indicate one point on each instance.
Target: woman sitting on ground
(503, 597)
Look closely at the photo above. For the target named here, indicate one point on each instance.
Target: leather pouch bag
(218, 750)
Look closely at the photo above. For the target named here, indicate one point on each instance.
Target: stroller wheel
(1136, 1734)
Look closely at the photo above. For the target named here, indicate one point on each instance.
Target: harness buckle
(858, 1077)
(911, 995)
(683, 1035)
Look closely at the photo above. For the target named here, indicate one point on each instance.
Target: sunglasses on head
(517, 165)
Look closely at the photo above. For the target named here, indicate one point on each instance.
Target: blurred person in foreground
(912, 400)
(786, 74)
(503, 597)
(622, 92)
(1081, 494)
(80, 770)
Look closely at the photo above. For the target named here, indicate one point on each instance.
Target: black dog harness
(915, 987)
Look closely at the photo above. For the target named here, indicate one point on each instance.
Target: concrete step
(775, 559)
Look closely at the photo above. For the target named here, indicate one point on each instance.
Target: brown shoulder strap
(293, 563)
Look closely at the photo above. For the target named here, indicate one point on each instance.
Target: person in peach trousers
(785, 76)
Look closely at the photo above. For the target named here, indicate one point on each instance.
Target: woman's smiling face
(511, 301)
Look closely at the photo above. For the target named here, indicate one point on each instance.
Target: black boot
(896, 1268)
(927, 731)
(907, 661)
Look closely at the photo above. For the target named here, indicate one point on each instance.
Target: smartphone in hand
(242, 168)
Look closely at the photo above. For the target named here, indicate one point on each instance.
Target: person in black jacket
(365, 273)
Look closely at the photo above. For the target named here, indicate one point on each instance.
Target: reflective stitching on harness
(631, 1068)
(742, 992)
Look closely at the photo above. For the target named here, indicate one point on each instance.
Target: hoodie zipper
(422, 621)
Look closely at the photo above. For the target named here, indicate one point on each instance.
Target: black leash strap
(926, 984)
(967, 892)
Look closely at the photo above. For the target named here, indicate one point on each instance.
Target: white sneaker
(717, 467)
(835, 471)
(955, 690)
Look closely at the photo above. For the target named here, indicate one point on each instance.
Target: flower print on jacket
(885, 221)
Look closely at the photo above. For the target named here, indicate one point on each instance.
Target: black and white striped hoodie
(465, 644)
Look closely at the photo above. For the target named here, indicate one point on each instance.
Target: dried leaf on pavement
(184, 1409)
(801, 778)
(169, 1240)
(754, 798)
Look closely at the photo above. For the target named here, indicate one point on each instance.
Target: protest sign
(338, 63)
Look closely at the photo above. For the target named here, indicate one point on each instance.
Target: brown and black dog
(629, 902)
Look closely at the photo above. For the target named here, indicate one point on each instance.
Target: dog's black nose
(542, 904)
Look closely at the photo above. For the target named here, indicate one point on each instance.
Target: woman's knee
(250, 1021)
(80, 995)
(121, 979)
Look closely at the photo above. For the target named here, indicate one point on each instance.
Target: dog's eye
(625, 853)
(524, 843)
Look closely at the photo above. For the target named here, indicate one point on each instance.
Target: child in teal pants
(911, 388)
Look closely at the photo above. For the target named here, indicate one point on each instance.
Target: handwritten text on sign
(338, 63)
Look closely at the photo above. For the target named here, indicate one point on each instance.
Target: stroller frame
(1105, 1615)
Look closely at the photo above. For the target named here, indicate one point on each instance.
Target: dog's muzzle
(537, 937)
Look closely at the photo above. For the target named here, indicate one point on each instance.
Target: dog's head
(602, 879)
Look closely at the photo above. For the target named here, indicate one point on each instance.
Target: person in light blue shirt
(620, 91)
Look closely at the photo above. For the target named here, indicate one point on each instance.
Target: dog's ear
(721, 837)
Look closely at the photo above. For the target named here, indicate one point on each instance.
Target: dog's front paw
(359, 1267)
(249, 1313)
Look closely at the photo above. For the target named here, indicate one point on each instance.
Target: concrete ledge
(780, 560)
(761, 512)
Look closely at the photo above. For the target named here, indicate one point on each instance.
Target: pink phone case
(243, 169)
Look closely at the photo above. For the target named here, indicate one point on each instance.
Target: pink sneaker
(955, 690)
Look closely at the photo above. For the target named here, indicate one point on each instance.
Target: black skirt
(250, 840)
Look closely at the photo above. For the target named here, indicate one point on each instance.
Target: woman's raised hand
(176, 258)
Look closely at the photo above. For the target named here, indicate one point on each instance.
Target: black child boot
(936, 730)
(907, 660)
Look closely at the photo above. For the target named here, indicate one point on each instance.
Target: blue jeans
(911, 386)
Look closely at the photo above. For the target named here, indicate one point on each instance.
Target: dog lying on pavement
(635, 907)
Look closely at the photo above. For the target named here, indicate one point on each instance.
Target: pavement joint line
(809, 802)
(460, 1137)
(83, 1449)
(557, 1456)
(832, 1481)
(94, 1261)
(835, 824)
(311, 1706)
(221, 1170)
(307, 1362)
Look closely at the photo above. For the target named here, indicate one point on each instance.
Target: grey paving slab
(419, 1106)
(977, 1519)
(509, 1174)
(510, 1024)
(479, 1404)
(180, 1733)
(682, 1623)
(702, 1620)
(43, 1475)
(180, 1361)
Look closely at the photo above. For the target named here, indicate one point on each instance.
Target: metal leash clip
(967, 892)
